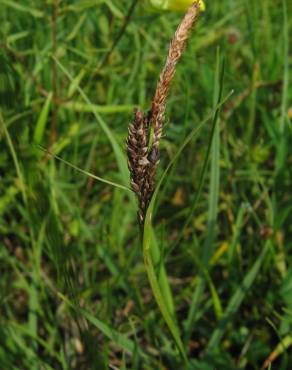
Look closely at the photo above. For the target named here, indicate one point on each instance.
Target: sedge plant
(143, 142)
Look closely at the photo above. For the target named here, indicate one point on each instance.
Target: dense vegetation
(74, 288)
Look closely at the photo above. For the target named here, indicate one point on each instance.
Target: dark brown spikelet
(137, 157)
(143, 158)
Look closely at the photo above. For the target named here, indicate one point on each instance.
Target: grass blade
(84, 171)
(22, 8)
(162, 275)
(89, 108)
(42, 120)
(282, 147)
(204, 169)
(15, 160)
(116, 337)
(213, 148)
(237, 299)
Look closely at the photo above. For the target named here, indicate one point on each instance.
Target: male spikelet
(143, 150)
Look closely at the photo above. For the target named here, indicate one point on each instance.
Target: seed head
(143, 158)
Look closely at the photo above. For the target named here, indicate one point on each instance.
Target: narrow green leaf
(42, 120)
(22, 8)
(89, 108)
(217, 95)
(278, 350)
(76, 81)
(162, 275)
(282, 141)
(34, 305)
(116, 337)
(85, 172)
(215, 297)
(236, 300)
(236, 234)
(213, 148)
(15, 160)
(16, 327)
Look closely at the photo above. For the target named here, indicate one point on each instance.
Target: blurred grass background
(74, 291)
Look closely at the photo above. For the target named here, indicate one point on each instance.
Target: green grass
(210, 285)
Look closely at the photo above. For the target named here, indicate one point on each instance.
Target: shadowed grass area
(217, 241)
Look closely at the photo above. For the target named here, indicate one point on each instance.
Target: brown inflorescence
(137, 147)
(143, 150)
